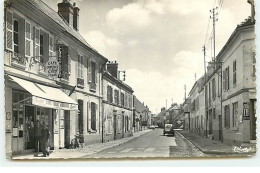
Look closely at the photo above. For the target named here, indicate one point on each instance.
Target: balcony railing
(18, 59)
(80, 82)
(65, 76)
(93, 87)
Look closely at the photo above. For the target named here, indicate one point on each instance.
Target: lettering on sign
(246, 111)
(52, 68)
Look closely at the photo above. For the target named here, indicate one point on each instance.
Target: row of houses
(222, 103)
(52, 75)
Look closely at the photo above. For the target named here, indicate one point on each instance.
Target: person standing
(38, 135)
(31, 132)
(45, 140)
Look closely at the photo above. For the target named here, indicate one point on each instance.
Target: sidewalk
(209, 146)
(80, 152)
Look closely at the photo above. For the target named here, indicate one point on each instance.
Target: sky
(158, 42)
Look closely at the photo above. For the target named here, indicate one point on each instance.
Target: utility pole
(205, 93)
(214, 19)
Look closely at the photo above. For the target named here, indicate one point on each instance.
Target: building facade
(117, 105)
(224, 106)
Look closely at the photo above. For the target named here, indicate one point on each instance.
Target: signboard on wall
(246, 111)
(52, 68)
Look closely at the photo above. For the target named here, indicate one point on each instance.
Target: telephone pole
(184, 92)
(205, 89)
(214, 19)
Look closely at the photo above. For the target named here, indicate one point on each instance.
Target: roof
(48, 11)
(247, 23)
(139, 106)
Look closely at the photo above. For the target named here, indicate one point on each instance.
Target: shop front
(32, 103)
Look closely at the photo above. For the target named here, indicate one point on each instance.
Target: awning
(47, 96)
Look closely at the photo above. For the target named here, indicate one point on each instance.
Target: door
(29, 127)
(210, 122)
(67, 128)
(252, 119)
(220, 127)
(115, 120)
(123, 125)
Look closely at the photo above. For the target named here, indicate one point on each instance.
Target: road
(152, 144)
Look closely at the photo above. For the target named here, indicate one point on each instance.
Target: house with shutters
(52, 76)
(117, 106)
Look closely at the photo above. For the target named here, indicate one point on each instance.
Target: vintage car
(168, 129)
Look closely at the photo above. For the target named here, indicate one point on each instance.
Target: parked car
(168, 129)
(152, 127)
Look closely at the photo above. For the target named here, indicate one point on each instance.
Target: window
(51, 46)
(219, 86)
(41, 49)
(213, 88)
(93, 72)
(27, 39)
(234, 73)
(80, 67)
(227, 116)
(109, 94)
(116, 93)
(254, 65)
(16, 36)
(93, 116)
(109, 125)
(214, 113)
(122, 99)
(130, 101)
(226, 79)
(9, 30)
(235, 114)
(36, 42)
(125, 100)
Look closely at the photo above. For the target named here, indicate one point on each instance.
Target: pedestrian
(38, 136)
(26, 134)
(45, 140)
(31, 132)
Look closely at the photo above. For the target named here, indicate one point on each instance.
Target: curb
(214, 152)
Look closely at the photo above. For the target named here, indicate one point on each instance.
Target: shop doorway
(220, 127)
(29, 127)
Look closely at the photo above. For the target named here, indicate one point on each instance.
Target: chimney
(75, 17)
(65, 9)
(112, 68)
(252, 2)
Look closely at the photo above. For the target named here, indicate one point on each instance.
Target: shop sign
(52, 68)
(53, 104)
(246, 111)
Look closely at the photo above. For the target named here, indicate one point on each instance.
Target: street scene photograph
(129, 79)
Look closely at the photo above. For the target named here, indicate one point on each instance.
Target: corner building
(51, 74)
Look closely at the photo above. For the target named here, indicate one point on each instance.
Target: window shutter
(9, 30)
(111, 94)
(96, 73)
(51, 46)
(27, 39)
(65, 62)
(108, 93)
(36, 42)
(228, 78)
(89, 70)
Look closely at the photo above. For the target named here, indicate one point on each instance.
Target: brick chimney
(65, 9)
(112, 68)
(75, 17)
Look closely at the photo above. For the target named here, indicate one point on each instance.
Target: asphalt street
(152, 144)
